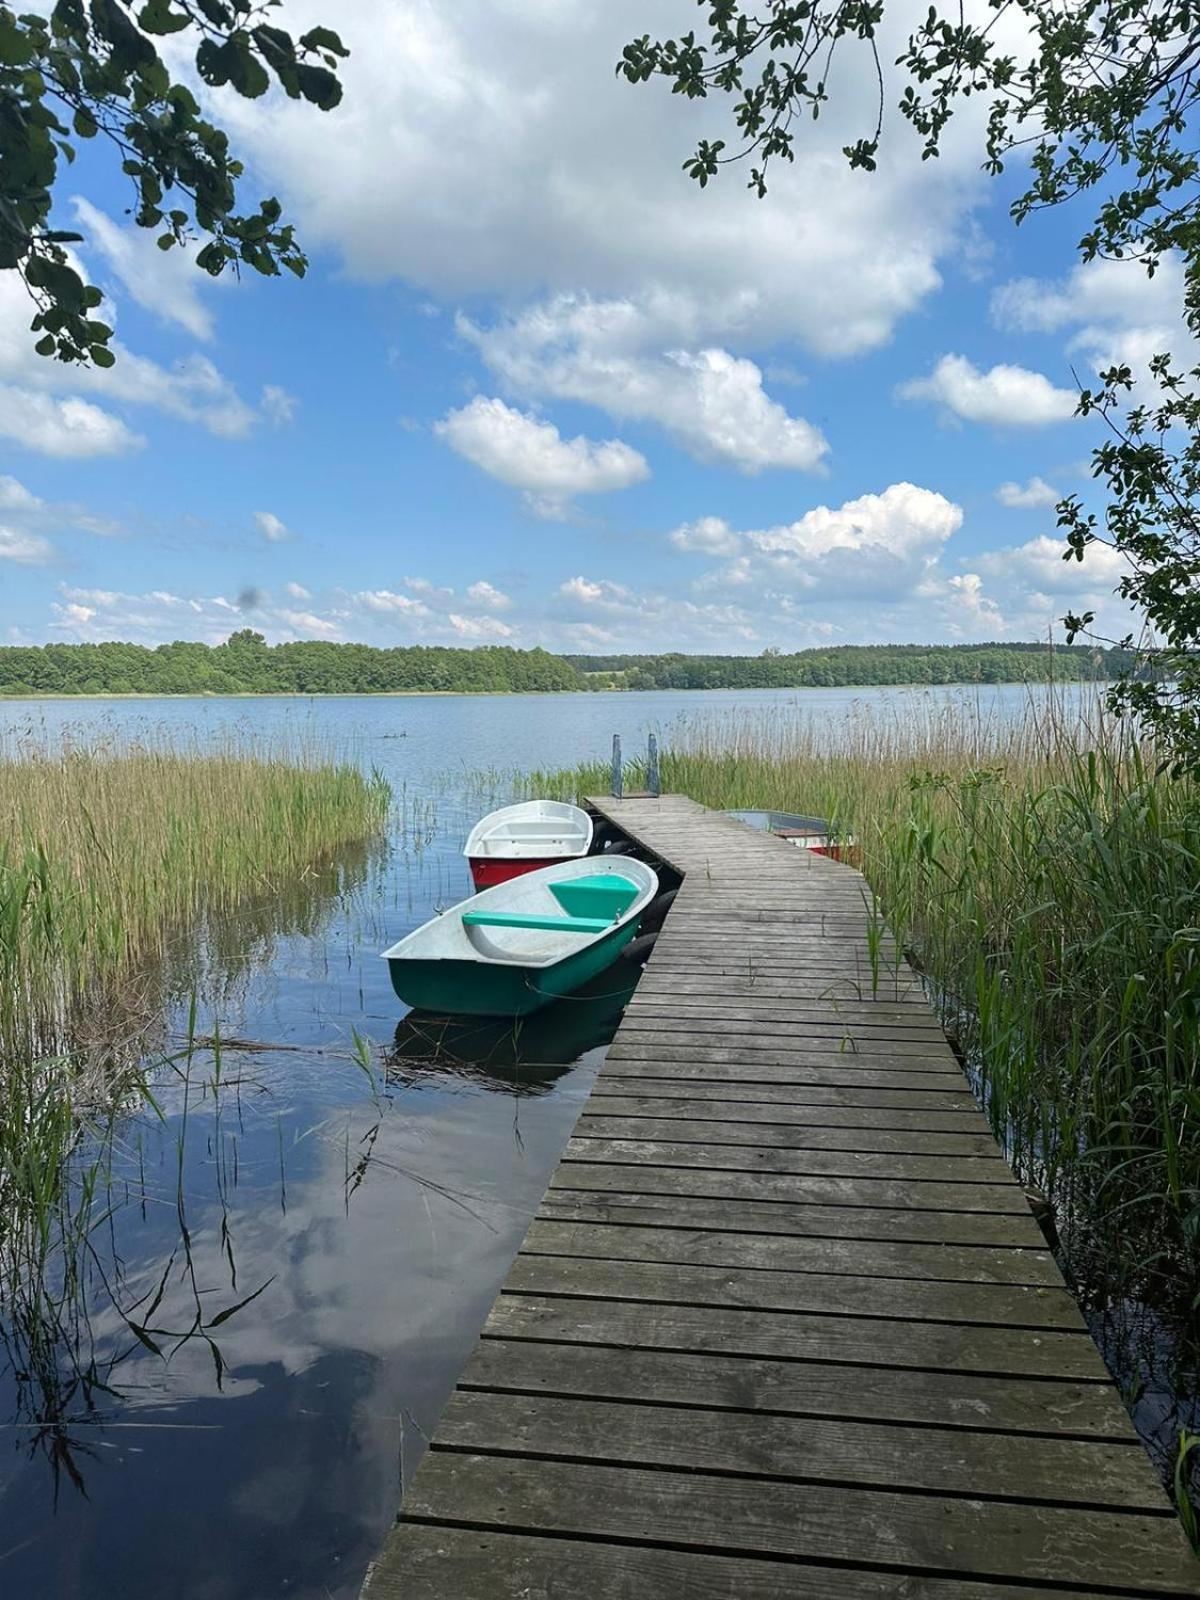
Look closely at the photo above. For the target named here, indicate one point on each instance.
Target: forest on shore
(246, 664)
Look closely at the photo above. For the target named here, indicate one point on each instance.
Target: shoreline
(557, 694)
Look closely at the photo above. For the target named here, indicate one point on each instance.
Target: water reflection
(524, 1055)
(260, 1284)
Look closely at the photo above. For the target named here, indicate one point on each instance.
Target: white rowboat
(521, 838)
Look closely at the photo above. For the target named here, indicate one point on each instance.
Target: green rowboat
(514, 948)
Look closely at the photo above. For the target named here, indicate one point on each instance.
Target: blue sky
(539, 389)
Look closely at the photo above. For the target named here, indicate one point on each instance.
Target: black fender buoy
(656, 912)
(640, 947)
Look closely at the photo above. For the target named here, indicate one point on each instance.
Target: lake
(308, 1227)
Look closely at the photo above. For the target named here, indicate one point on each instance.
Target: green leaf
(183, 100)
(16, 47)
(319, 86)
(224, 1316)
(130, 49)
(323, 39)
(102, 356)
(142, 1336)
(249, 76)
(46, 345)
(214, 62)
(156, 16)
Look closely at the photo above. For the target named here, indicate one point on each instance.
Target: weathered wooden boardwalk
(784, 1324)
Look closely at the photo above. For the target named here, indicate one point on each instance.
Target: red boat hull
(486, 871)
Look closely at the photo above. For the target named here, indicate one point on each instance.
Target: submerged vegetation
(1045, 879)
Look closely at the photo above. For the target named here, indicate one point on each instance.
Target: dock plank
(784, 1322)
(719, 1380)
(800, 1192)
(436, 1562)
(1105, 1551)
(759, 1444)
(867, 1342)
(734, 1156)
(836, 1222)
(870, 1258)
(919, 1119)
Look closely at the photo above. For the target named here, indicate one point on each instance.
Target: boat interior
(589, 904)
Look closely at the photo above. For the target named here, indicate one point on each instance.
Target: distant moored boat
(518, 839)
(807, 833)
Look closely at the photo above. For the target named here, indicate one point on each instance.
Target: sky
(538, 388)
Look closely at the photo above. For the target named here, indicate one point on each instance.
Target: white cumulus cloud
(164, 282)
(532, 455)
(62, 409)
(63, 428)
(978, 611)
(1004, 396)
(270, 526)
(903, 520)
(306, 623)
(626, 359)
(589, 188)
(1040, 563)
(487, 595)
(710, 536)
(855, 567)
(479, 627)
(1116, 314)
(14, 496)
(388, 603)
(1119, 293)
(1034, 495)
(26, 549)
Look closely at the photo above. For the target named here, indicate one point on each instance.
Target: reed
(106, 850)
(107, 853)
(1045, 878)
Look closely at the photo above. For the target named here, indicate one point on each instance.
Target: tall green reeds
(106, 854)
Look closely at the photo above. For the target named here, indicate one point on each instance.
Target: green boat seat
(517, 919)
(605, 895)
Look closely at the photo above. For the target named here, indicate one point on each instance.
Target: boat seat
(518, 919)
(604, 894)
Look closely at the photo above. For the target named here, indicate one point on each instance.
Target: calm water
(302, 1250)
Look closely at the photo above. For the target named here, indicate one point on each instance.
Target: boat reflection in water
(524, 1055)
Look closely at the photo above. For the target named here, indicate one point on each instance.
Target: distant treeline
(851, 665)
(246, 664)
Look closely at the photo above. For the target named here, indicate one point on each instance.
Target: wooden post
(618, 782)
(653, 781)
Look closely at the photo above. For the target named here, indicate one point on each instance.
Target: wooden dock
(784, 1324)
